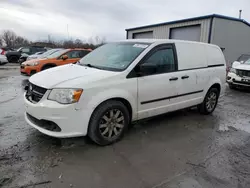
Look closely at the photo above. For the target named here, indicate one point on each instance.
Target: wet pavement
(178, 150)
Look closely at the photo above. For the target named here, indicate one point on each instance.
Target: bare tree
(68, 44)
(20, 41)
(8, 38)
(78, 43)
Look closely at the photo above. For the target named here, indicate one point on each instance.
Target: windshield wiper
(91, 66)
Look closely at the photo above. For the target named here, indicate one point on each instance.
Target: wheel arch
(120, 99)
(217, 86)
(48, 65)
(216, 83)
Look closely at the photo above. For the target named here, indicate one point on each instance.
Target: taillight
(2, 52)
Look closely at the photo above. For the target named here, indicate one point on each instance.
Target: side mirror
(146, 69)
(64, 57)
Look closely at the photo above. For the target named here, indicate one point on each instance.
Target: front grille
(35, 93)
(241, 82)
(242, 73)
(45, 124)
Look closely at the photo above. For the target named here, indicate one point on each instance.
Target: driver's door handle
(173, 79)
(185, 77)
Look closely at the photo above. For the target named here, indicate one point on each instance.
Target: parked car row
(52, 58)
(14, 56)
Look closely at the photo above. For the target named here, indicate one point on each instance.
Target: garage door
(143, 35)
(192, 33)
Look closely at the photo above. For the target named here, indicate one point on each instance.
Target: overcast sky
(36, 19)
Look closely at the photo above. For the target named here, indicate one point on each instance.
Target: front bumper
(27, 70)
(236, 80)
(3, 61)
(71, 122)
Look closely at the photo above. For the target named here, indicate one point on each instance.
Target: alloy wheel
(112, 124)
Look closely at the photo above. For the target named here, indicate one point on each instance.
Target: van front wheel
(210, 101)
(108, 123)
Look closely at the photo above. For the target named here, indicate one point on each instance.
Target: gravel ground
(177, 150)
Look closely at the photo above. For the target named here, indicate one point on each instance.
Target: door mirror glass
(147, 69)
(64, 57)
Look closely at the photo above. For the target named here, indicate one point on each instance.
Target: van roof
(161, 41)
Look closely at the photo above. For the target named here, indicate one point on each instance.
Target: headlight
(65, 96)
(233, 70)
(32, 64)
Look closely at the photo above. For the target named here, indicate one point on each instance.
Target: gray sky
(36, 19)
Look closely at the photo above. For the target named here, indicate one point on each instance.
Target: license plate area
(245, 80)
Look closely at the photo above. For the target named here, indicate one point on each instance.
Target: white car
(239, 74)
(3, 59)
(34, 56)
(41, 55)
(123, 82)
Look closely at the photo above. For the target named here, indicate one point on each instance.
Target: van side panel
(214, 55)
(191, 55)
(217, 64)
(192, 62)
(204, 65)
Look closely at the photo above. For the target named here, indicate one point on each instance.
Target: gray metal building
(231, 34)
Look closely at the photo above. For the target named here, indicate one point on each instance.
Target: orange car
(61, 57)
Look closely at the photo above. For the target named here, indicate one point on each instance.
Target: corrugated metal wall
(162, 32)
(232, 35)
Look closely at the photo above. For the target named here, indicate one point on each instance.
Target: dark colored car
(4, 50)
(13, 56)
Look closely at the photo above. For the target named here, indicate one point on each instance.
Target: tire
(101, 123)
(13, 59)
(32, 72)
(3, 63)
(47, 67)
(212, 98)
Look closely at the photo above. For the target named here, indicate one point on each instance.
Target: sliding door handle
(185, 77)
(173, 79)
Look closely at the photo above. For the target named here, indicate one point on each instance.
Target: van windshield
(113, 56)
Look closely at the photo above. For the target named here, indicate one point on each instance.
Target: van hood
(64, 76)
(242, 67)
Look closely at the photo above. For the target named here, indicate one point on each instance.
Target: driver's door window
(162, 60)
(73, 54)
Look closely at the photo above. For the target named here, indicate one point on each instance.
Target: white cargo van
(123, 82)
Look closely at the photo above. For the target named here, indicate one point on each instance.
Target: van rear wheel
(108, 122)
(210, 101)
